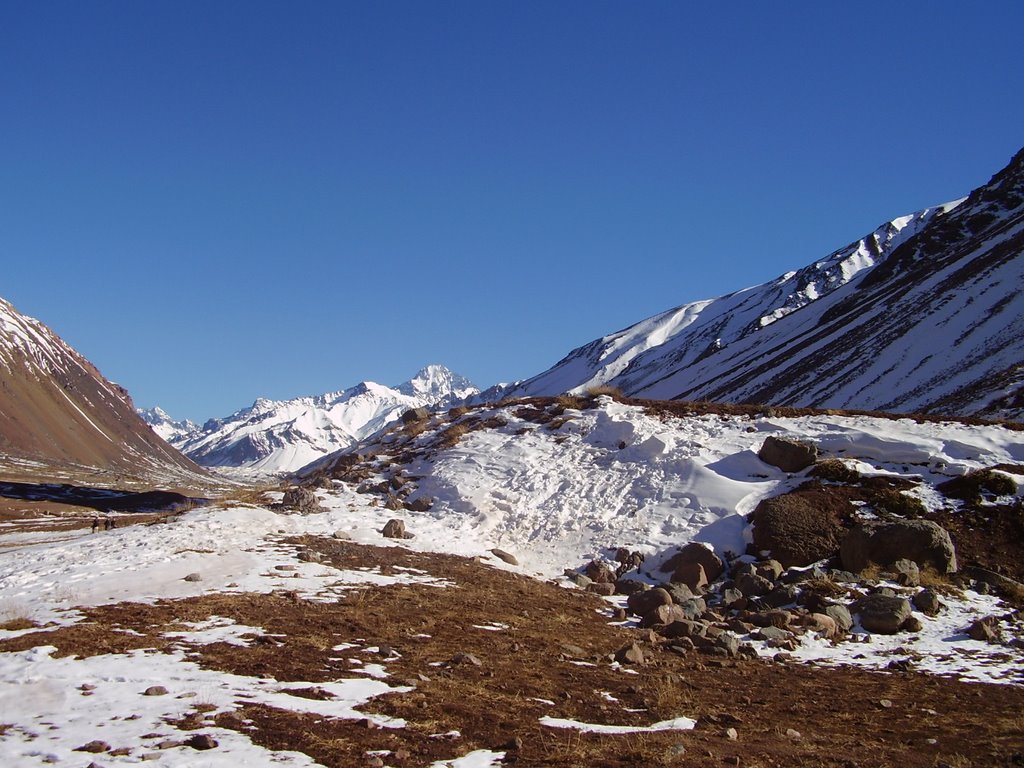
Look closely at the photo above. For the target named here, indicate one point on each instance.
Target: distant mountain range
(57, 410)
(283, 435)
(924, 314)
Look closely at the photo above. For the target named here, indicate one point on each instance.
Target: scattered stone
(680, 592)
(599, 572)
(695, 552)
(395, 529)
(912, 624)
(604, 589)
(302, 500)
(95, 747)
(882, 613)
(731, 734)
(194, 577)
(342, 535)
(309, 556)
(629, 586)
(793, 735)
(504, 556)
(421, 504)
(907, 573)
(692, 575)
(733, 598)
(752, 585)
(921, 541)
(155, 690)
(826, 625)
(630, 654)
(927, 602)
(885, 703)
(466, 658)
(769, 569)
(642, 603)
(840, 614)
(414, 415)
(788, 455)
(986, 630)
(201, 741)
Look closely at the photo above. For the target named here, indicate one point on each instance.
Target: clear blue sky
(215, 201)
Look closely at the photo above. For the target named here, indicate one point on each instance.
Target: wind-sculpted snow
(280, 436)
(925, 314)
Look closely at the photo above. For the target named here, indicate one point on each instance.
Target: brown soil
(554, 647)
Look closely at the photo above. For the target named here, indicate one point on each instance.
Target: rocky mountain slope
(57, 409)
(924, 314)
(283, 435)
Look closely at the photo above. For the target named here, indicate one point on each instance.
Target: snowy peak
(169, 429)
(923, 314)
(438, 384)
(280, 436)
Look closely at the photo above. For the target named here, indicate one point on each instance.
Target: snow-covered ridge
(280, 436)
(924, 313)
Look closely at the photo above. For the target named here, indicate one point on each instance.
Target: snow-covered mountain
(170, 430)
(926, 313)
(56, 408)
(283, 435)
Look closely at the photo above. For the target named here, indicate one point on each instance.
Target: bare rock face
(787, 455)
(921, 541)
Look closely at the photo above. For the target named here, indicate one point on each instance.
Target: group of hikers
(108, 523)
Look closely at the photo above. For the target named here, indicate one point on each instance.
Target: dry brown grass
(836, 709)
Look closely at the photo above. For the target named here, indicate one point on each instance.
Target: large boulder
(302, 499)
(921, 541)
(695, 552)
(801, 527)
(882, 614)
(786, 454)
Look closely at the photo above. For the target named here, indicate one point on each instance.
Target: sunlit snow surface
(608, 477)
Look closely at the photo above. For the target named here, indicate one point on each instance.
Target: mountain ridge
(814, 337)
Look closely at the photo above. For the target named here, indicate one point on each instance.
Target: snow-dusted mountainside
(56, 408)
(280, 436)
(924, 314)
(170, 430)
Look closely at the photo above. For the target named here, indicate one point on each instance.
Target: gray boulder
(395, 529)
(788, 455)
(882, 614)
(922, 541)
(301, 499)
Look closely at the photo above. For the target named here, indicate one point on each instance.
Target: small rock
(155, 690)
(793, 735)
(885, 703)
(95, 747)
(202, 741)
(731, 734)
(194, 577)
(601, 588)
(505, 556)
(912, 624)
(927, 602)
(466, 658)
(395, 529)
(342, 535)
(630, 654)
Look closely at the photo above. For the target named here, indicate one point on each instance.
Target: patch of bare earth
(494, 652)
